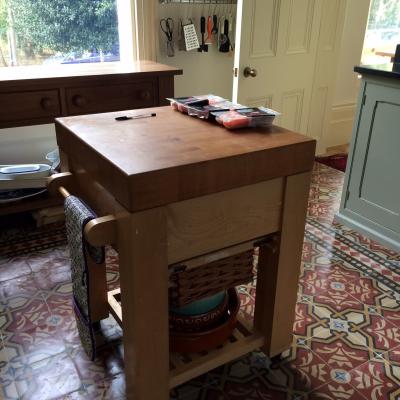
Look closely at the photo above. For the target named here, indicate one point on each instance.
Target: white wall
(347, 83)
(26, 144)
(202, 72)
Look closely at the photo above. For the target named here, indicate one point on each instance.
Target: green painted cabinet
(371, 194)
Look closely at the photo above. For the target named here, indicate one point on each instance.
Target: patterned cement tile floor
(346, 342)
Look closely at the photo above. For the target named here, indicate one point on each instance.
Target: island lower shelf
(184, 367)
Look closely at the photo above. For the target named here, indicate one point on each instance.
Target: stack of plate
(22, 180)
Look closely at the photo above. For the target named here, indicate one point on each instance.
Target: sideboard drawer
(29, 105)
(95, 99)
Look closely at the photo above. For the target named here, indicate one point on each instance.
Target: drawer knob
(46, 103)
(78, 100)
(145, 95)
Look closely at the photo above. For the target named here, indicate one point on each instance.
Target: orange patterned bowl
(198, 322)
(196, 342)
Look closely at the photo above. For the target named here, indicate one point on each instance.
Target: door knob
(249, 71)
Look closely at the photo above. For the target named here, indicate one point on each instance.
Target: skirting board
(369, 229)
(341, 125)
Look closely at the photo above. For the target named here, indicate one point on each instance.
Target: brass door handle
(249, 71)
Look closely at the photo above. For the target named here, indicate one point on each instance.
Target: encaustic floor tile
(255, 376)
(346, 331)
(335, 391)
(49, 378)
(14, 268)
(376, 379)
(358, 329)
(22, 288)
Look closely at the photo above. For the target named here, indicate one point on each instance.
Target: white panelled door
(285, 59)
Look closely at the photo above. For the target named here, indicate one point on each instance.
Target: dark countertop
(391, 70)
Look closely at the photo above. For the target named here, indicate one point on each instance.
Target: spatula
(209, 39)
(203, 46)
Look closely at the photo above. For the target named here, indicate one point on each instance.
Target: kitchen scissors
(167, 26)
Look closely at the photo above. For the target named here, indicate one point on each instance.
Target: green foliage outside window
(3, 30)
(384, 14)
(62, 26)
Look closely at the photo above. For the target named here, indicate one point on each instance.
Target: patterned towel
(77, 215)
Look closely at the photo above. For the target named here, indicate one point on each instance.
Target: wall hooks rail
(198, 1)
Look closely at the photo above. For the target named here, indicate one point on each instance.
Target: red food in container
(233, 120)
(182, 108)
(181, 103)
(226, 113)
(174, 105)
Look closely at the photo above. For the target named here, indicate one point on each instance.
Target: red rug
(337, 161)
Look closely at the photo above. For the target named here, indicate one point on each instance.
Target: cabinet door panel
(374, 186)
(95, 99)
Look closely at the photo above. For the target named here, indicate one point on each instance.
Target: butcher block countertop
(171, 157)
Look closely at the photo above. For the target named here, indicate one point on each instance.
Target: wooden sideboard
(38, 95)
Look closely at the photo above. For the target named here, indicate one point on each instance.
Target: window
(383, 31)
(61, 32)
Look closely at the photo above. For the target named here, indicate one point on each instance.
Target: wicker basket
(191, 284)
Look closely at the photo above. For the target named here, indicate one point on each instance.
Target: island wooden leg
(64, 163)
(279, 267)
(144, 296)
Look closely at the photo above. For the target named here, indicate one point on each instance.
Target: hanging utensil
(203, 46)
(230, 34)
(181, 37)
(191, 39)
(225, 44)
(214, 30)
(221, 31)
(167, 26)
(209, 39)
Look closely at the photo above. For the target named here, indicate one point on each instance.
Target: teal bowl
(197, 321)
(200, 306)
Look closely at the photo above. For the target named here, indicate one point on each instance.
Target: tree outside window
(383, 31)
(36, 32)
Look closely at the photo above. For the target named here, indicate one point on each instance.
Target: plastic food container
(203, 112)
(226, 113)
(183, 104)
(248, 117)
(180, 103)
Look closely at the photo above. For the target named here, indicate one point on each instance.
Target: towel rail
(64, 192)
(99, 231)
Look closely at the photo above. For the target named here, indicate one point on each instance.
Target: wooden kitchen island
(172, 188)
